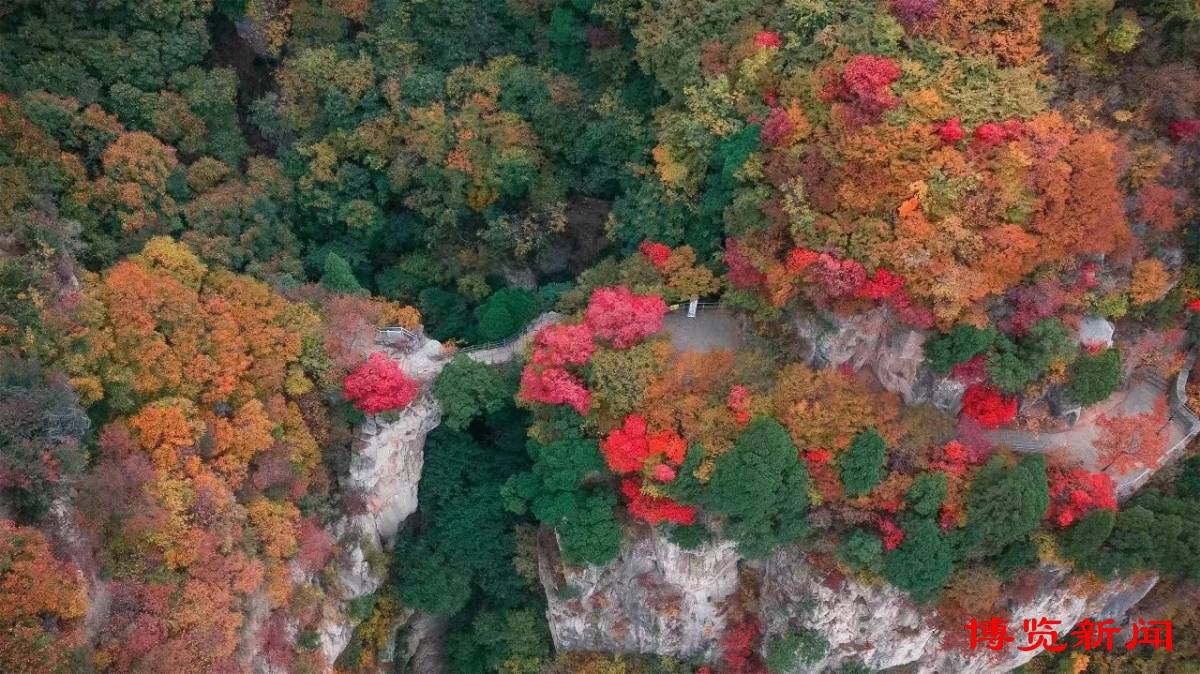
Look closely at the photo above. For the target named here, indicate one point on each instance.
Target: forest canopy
(908, 290)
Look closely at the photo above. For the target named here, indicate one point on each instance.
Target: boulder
(832, 341)
(898, 363)
(948, 394)
(1095, 331)
(895, 353)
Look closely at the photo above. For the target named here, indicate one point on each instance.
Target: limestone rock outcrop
(873, 339)
(654, 598)
(882, 627)
(1095, 331)
(384, 475)
(386, 465)
(898, 362)
(658, 598)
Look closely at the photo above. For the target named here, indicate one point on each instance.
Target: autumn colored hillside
(906, 290)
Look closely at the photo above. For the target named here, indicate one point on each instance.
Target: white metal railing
(1179, 413)
(495, 344)
(703, 304)
(393, 333)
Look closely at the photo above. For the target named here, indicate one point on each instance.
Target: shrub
(805, 647)
(1095, 377)
(861, 550)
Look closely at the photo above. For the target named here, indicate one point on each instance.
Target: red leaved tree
(767, 39)
(628, 449)
(839, 277)
(656, 252)
(1137, 441)
(1076, 492)
(738, 402)
(989, 134)
(655, 509)
(554, 386)
(865, 84)
(1183, 130)
(823, 472)
(950, 131)
(989, 407)
(560, 344)
(742, 272)
(739, 646)
(379, 385)
(882, 285)
(799, 259)
(619, 316)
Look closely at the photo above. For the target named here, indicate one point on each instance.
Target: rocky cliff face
(386, 466)
(875, 340)
(384, 474)
(654, 598)
(385, 471)
(658, 598)
(882, 627)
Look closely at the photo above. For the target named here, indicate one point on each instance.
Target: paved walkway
(505, 352)
(714, 328)
(711, 329)
(1078, 442)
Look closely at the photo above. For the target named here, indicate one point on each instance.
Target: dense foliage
(934, 229)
